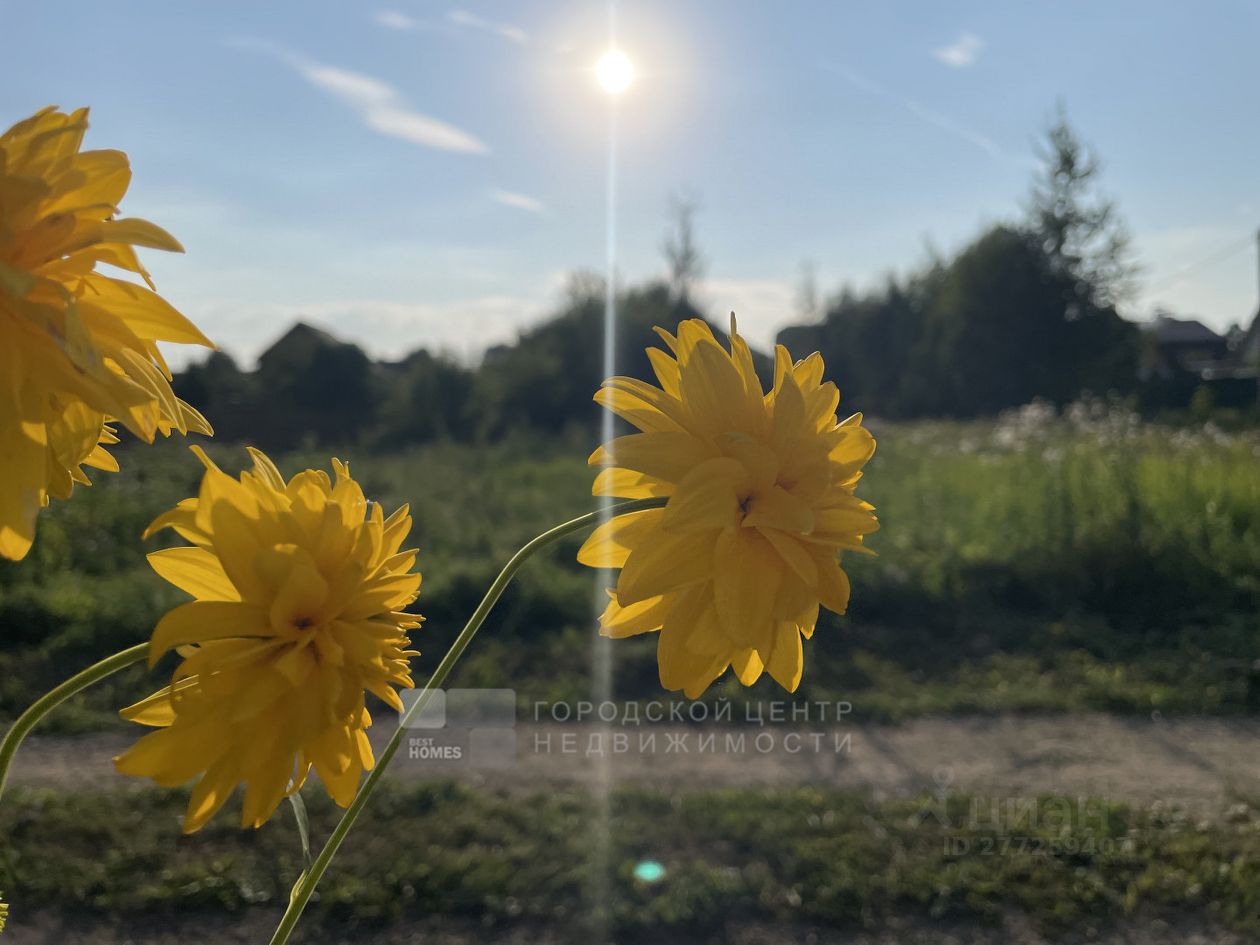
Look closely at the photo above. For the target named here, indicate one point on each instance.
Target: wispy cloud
(508, 31)
(962, 52)
(456, 20)
(401, 22)
(393, 20)
(384, 110)
(380, 106)
(519, 201)
(928, 115)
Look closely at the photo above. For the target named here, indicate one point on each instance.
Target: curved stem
(50, 700)
(305, 887)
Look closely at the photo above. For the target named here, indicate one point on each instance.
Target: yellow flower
(299, 590)
(732, 570)
(78, 348)
(4, 914)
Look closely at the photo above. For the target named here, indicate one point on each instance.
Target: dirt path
(1200, 764)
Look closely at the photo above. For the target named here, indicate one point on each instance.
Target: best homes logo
(465, 727)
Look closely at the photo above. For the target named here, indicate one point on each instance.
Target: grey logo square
(462, 727)
(432, 715)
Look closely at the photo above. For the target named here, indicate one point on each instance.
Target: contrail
(928, 115)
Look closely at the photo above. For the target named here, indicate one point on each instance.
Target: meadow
(1039, 563)
(796, 858)
(1087, 561)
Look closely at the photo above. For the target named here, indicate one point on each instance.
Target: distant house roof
(298, 341)
(301, 331)
(1184, 331)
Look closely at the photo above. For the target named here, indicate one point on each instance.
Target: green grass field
(806, 855)
(1032, 564)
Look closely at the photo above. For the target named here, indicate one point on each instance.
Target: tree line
(1026, 310)
(311, 389)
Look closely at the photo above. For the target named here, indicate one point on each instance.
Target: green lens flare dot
(649, 871)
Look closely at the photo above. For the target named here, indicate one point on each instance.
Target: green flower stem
(306, 884)
(53, 698)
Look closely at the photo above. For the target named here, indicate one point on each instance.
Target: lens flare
(649, 871)
(614, 71)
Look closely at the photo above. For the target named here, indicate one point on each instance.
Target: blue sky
(421, 172)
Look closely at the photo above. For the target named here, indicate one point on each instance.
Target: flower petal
(670, 562)
(611, 543)
(778, 508)
(199, 621)
(833, 585)
(786, 661)
(708, 497)
(665, 456)
(746, 577)
(196, 571)
(644, 616)
(791, 551)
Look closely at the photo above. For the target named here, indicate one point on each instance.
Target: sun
(615, 71)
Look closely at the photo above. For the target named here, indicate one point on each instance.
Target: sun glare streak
(615, 72)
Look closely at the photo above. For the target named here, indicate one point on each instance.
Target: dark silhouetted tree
(426, 398)
(682, 255)
(1005, 325)
(314, 390)
(808, 306)
(1079, 229)
(221, 391)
